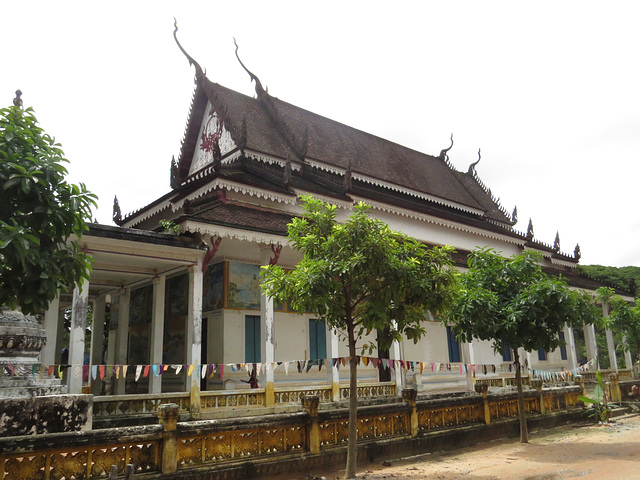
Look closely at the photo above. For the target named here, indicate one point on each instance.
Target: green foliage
(361, 274)
(599, 401)
(169, 226)
(621, 276)
(624, 318)
(39, 214)
(513, 302)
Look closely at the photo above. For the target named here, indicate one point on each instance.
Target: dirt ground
(603, 452)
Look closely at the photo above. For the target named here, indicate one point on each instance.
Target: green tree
(42, 217)
(361, 276)
(624, 318)
(513, 302)
(627, 278)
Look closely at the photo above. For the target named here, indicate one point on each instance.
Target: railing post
(168, 416)
(579, 379)
(310, 404)
(616, 394)
(483, 388)
(537, 384)
(410, 395)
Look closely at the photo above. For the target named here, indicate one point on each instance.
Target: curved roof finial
(260, 92)
(472, 167)
(514, 214)
(199, 72)
(444, 151)
(576, 252)
(556, 243)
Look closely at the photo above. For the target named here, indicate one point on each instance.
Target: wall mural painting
(213, 291)
(141, 306)
(244, 286)
(177, 295)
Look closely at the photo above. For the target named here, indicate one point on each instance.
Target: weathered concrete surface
(46, 414)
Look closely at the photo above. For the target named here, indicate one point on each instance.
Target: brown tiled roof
(273, 126)
(244, 216)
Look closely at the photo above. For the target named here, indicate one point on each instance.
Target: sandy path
(588, 452)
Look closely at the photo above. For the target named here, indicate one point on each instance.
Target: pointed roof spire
(117, 213)
(260, 92)
(514, 215)
(174, 181)
(472, 167)
(18, 101)
(576, 252)
(556, 242)
(530, 230)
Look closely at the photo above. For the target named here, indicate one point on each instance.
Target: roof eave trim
(233, 233)
(222, 184)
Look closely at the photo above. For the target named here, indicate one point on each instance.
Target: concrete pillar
(590, 342)
(537, 384)
(611, 346)
(267, 335)
(76, 338)
(168, 417)
(194, 333)
(398, 372)
(50, 324)
(572, 356)
(60, 336)
(628, 360)
(310, 403)
(333, 374)
(616, 393)
(468, 358)
(410, 395)
(611, 349)
(157, 331)
(122, 343)
(97, 344)
(483, 389)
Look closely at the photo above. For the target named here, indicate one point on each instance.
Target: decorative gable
(212, 131)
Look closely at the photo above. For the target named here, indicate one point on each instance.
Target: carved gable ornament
(212, 131)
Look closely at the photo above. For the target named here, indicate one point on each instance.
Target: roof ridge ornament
(514, 215)
(530, 230)
(200, 74)
(260, 92)
(174, 181)
(556, 243)
(576, 252)
(472, 167)
(117, 212)
(18, 101)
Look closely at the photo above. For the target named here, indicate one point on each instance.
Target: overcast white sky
(550, 91)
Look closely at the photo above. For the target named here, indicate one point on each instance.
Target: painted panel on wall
(177, 294)
(141, 305)
(244, 286)
(213, 291)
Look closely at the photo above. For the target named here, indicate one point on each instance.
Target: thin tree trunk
(524, 433)
(352, 452)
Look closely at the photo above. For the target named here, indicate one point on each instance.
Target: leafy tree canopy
(361, 276)
(513, 302)
(627, 278)
(623, 317)
(39, 214)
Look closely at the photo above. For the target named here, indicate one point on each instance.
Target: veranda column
(122, 345)
(628, 360)
(50, 324)
(611, 346)
(468, 358)
(157, 331)
(395, 348)
(76, 336)
(572, 356)
(97, 342)
(194, 333)
(333, 374)
(590, 343)
(267, 332)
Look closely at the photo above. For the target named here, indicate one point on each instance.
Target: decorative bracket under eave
(211, 253)
(276, 254)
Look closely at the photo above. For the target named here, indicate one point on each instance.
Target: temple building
(185, 309)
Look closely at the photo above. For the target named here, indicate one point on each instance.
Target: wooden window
(317, 339)
(454, 346)
(252, 351)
